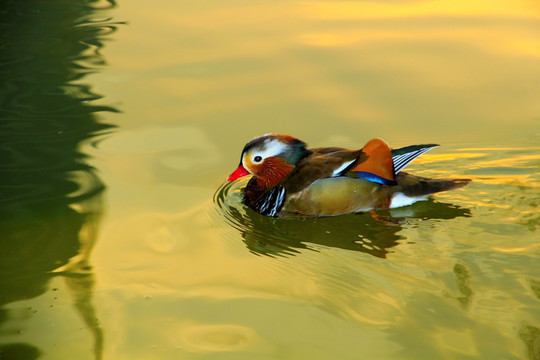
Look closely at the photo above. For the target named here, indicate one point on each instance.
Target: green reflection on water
(51, 198)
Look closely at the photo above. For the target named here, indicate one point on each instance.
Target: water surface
(120, 122)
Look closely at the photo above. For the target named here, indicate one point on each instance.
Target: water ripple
(288, 236)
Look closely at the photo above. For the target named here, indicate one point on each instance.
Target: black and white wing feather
(402, 157)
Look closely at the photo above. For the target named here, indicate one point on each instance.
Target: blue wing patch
(374, 178)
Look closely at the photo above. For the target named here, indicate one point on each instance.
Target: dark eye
(257, 158)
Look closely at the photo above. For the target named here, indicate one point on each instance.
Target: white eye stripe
(268, 149)
(272, 148)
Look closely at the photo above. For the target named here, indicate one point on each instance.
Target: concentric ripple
(357, 232)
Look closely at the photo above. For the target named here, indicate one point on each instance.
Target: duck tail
(411, 185)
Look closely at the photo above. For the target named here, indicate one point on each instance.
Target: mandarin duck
(288, 179)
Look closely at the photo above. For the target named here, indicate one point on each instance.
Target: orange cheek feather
(272, 171)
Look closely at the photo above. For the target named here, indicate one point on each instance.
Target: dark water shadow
(51, 199)
(358, 232)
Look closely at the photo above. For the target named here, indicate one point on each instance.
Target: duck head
(270, 158)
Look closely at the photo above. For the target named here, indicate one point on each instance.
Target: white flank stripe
(400, 199)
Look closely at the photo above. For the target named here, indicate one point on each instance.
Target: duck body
(291, 180)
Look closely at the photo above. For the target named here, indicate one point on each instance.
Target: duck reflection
(51, 199)
(364, 232)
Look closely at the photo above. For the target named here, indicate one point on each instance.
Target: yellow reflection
(365, 10)
(497, 149)
(511, 161)
(518, 40)
(486, 202)
(515, 41)
(511, 42)
(527, 249)
(428, 158)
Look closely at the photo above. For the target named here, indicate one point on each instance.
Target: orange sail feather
(379, 160)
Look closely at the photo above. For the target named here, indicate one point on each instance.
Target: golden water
(120, 240)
